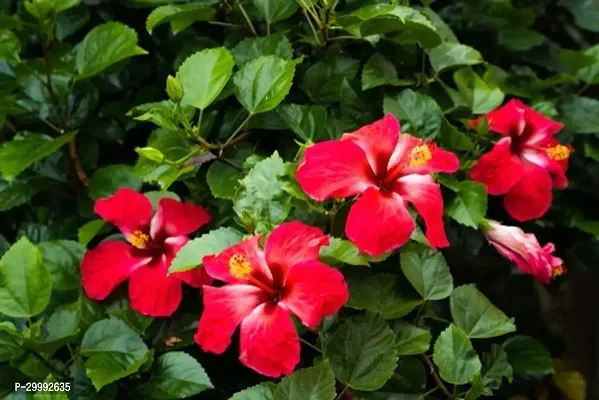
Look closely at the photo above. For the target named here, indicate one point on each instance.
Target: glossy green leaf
(174, 13)
(346, 252)
(362, 352)
(253, 47)
(176, 375)
(528, 356)
(455, 357)
(427, 271)
(411, 339)
(25, 283)
(469, 205)
(451, 55)
(62, 258)
(204, 76)
(419, 114)
(314, 383)
(380, 71)
(275, 10)
(9, 46)
(20, 190)
(480, 96)
(261, 84)
(104, 46)
(27, 148)
(105, 181)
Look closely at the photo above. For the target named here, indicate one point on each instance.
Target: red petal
(218, 266)
(108, 265)
(127, 209)
(196, 277)
(175, 218)
(291, 243)
(268, 341)
(379, 222)
(313, 291)
(224, 308)
(539, 126)
(509, 119)
(334, 169)
(378, 140)
(425, 195)
(152, 292)
(499, 170)
(440, 160)
(530, 198)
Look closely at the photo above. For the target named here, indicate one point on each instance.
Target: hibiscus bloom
(526, 164)
(524, 250)
(386, 170)
(152, 244)
(263, 288)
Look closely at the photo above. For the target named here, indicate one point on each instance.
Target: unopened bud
(174, 89)
(150, 153)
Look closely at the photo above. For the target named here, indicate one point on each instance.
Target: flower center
(420, 155)
(559, 152)
(559, 270)
(239, 266)
(139, 239)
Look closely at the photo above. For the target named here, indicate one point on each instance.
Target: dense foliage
(328, 169)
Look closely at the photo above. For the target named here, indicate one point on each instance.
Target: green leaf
(384, 294)
(253, 47)
(306, 121)
(223, 180)
(27, 148)
(63, 257)
(586, 13)
(190, 256)
(104, 46)
(408, 382)
(20, 191)
(87, 232)
(496, 367)
(427, 271)
(322, 82)
(172, 13)
(121, 309)
(451, 55)
(455, 357)
(62, 5)
(519, 39)
(25, 283)
(590, 73)
(176, 375)
(105, 181)
(261, 202)
(528, 356)
(379, 71)
(419, 114)
(263, 391)
(580, 114)
(115, 351)
(470, 204)
(261, 84)
(275, 10)
(346, 252)
(315, 383)
(476, 315)
(411, 339)
(362, 352)
(9, 46)
(480, 96)
(204, 75)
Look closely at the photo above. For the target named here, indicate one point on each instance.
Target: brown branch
(436, 377)
(76, 161)
(221, 146)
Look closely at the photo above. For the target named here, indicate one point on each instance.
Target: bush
(357, 187)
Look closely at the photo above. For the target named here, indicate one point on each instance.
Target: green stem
(267, 28)
(316, 38)
(310, 345)
(224, 24)
(239, 129)
(200, 121)
(247, 19)
(311, 11)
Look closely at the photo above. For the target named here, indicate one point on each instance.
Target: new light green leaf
(27, 148)
(104, 46)
(275, 10)
(178, 13)
(469, 206)
(261, 84)
(315, 383)
(419, 114)
(528, 356)
(346, 252)
(451, 55)
(204, 75)
(362, 352)
(455, 357)
(427, 271)
(176, 375)
(10, 46)
(411, 339)
(476, 315)
(115, 351)
(25, 283)
(480, 96)
(213, 242)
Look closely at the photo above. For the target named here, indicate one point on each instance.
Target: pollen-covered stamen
(559, 270)
(420, 155)
(139, 239)
(559, 152)
(239, 266)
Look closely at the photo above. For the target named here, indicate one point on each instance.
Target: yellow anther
(420, 155)
(239, 266)
(559, 152)
(139, 239)
(559, 270)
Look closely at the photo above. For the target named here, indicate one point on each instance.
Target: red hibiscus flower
(526, 164)
(524, 250)
(263, 288)
(386, 170)
(145, 259)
